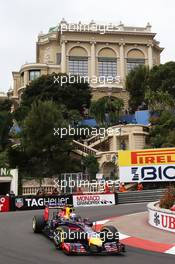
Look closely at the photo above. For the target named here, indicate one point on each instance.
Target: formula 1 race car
(75, 235)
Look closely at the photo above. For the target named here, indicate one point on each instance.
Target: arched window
(134, 58)
(107, 63)
(78, 61)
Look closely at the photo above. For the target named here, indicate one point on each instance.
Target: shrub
(168, 199)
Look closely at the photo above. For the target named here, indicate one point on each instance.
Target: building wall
(132, 135)
(53, 50)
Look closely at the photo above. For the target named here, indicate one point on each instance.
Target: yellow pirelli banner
(148, 165)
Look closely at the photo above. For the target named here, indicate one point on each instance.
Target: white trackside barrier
(161, 218)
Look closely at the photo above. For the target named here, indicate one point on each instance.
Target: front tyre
(38, 223)
(109, 234)
(60, 236)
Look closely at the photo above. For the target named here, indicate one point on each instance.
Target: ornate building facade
(92, 50)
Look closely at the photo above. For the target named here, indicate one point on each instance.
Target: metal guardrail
(123, 198)
(138, 197)
(32, 190)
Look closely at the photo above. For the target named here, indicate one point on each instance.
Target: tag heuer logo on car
(19, 202)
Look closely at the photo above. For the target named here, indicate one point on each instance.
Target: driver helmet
(73, 216)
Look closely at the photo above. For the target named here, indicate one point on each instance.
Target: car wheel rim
(34, 224)
(57, 238)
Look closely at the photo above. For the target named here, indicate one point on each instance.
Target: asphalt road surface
(19, 245)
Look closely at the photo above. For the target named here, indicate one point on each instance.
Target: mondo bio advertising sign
(148, 165)
(93, 200)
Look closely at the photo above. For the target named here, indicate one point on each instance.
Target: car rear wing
(68, 209)
(58, 206)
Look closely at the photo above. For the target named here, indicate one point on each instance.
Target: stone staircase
(83, 149)
(102, 156)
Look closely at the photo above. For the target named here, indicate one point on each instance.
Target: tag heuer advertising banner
(93, 200)
(37, 202)
(148, 165)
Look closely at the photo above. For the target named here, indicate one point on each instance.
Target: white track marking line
(170, 251)
(123, 236)
(101, 222)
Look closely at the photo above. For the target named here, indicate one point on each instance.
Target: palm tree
(107, 106)
(159, 101)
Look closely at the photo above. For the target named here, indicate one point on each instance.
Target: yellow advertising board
(147, 165)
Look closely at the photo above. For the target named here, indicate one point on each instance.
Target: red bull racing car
(75, 235)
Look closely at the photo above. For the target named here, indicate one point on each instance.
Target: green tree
(45, 104)
(159, 100)
(107, 106)
(136, 85)
(4, 162)
(5, 124)
(5, 105)
(45, 154)
(162, 132)
(92, 165)
(162, 77)
(74, 96)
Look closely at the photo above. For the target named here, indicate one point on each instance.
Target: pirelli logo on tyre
(147, 165)
(93, 200)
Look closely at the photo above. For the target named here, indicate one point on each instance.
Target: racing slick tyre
(109, 234)
(64, 234)
(38, 223)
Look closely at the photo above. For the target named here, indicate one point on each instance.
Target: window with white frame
(34, 74)
(107, 67)
(78, 65)
(133, 63)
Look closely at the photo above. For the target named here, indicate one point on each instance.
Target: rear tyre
(109, 234)
(38, 223)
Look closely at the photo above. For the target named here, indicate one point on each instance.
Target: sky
(22, 20)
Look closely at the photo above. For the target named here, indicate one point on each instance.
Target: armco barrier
(31, 202)
(142, 196)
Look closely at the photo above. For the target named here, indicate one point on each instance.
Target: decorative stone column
(14, 182)
(131, 141)
(122, 61)
(150, 55)
(63, 56)
(114, 142)
(93, 59)
(26, 77)
(16, 84)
